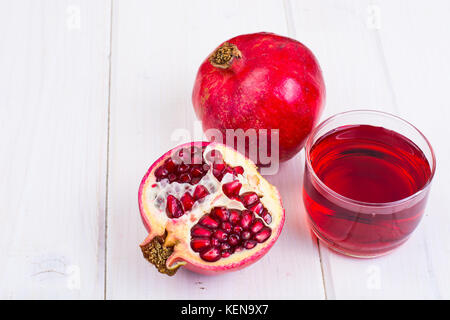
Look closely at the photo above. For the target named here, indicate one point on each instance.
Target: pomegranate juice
(368, 169)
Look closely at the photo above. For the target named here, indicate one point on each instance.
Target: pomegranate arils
(227, 231)
(249, 198)
(235, 216)
(161, 173)
(238, 170)
(209, 222)
(172, 177)
(233, 239)
(237, 229)
(173, 207)
(249, 244)
(199, 231)
(231, 189)
(215, 242)
(256, 226)
(245, 235)
(187, 201)
(221, 213)
(221, 235)
(246, 219)
(263, 235)
(225, 253)
(267, 216)
(185, 178)
(183, 168)
(210, 255)
(200, 192)
(257, 208)
(196, 172)
(200, 244)
(170, 165)
(226, 226)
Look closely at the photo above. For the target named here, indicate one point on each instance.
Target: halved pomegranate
(206, 207)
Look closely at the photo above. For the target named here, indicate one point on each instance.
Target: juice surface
(370, 164)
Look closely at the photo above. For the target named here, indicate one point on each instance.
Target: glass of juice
(366, 182)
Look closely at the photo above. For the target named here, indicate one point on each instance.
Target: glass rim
(363, 203)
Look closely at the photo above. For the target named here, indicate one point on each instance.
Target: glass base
(351, 253)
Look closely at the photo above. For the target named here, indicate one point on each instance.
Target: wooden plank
(157, 49)
(351, 39)
(53, 134)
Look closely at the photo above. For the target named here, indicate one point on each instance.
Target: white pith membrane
(153, 202)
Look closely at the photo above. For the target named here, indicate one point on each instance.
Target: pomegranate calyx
(157, 254)
(224, 55)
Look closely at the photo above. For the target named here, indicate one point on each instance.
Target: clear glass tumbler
(366, 182)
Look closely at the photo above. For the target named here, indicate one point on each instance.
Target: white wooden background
(91, 91)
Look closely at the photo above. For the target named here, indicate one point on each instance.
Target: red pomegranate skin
(276, 84)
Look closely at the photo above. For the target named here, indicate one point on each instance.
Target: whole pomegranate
(207, 208)
(261, 81)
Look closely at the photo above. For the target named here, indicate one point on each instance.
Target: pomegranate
(261, 81)
(207, 208)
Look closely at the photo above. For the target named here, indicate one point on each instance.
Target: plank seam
(107, 150)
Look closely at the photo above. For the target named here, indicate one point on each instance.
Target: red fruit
(205, 237)
(266, 81)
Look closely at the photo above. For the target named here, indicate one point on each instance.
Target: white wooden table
(91, 91)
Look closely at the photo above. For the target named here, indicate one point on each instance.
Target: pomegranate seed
(196, 172)
(210, 255)
(170, 165)
(215, 242)
(263, 235)
(172, 177)
(161, 173)
(187, 201)
(256, 226)
(233, 239)
(257, 208)
(221, 213)
(182, 168)
(205, 167)
(249, 244)
(173, 207)
(199, 231)
(200, 192)
(238, 170)
(209, 222)
(226, 226)
(225, 246)
(200, 244)
(195, 180)
(184, 178)
(249, 198)
(234, 216)
(246, 219)
(231, 189)
(245, 235)
(267, 217)
(225, 253)
(228, 170)
(221, 235)
(237, 229)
